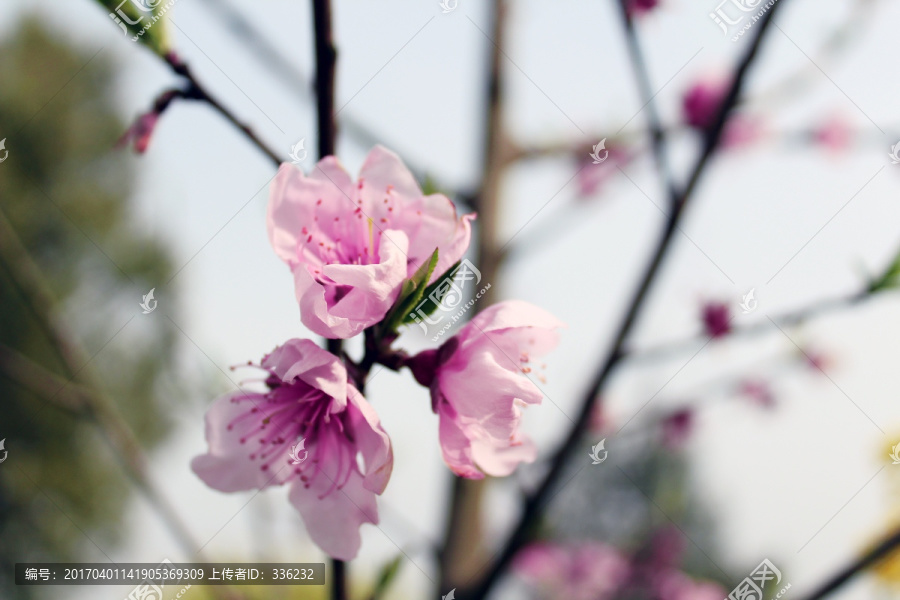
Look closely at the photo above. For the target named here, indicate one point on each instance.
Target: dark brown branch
(870, 558)
(536, 502)
(326, 56)
(197, 91)
(666, 350)
(656, 131)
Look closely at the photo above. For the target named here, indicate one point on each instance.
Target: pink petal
(455, 445)
(372, 441)
(381, 169)
(500, 461)
(513, 313)
(429, 221)
(374, 289)
(333, 516)
(228, 466)
(319, 368)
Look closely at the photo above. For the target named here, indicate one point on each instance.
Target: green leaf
(432, 306)
(889, 279)
(387, 575)
(411, 293)
(429, 186)
(131, 21)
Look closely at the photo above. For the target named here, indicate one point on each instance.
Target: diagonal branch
(197, 91)
(879, 552)
(535, 502)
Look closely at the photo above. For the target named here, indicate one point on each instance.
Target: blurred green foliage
(65, 191)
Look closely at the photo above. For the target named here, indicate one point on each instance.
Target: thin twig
(666, 350)
(338, 580)
(535, 502)
(463, 551)
(326, 57)
(656, 131)
(871, 557)
(197, 91)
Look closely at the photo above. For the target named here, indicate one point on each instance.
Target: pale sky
(807, 475)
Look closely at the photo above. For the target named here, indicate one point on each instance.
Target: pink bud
(702, 101)
(677, 427)
(637, 8)
(716, 319)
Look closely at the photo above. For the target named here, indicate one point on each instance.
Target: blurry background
(802, 209)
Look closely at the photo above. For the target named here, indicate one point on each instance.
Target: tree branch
(667, 350)
(197, 91)
(656, 132)
(535, 502)
(870, 558)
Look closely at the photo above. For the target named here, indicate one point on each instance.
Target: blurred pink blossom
(741, 130)
(677, 427)
(583, 571)
(758, 391)
(479, 386)
(835, 134)
(675, 585)
(351, 245)
(255, 440)
(591, 178)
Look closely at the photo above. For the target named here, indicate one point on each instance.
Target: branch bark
(535, 503)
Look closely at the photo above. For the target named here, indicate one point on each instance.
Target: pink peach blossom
(479, 385)
(675, 585)
(759, 391)
(677, 427)
(581, 571)
(255, 440)
(835, 134)
(592, 177)
(351, 245)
